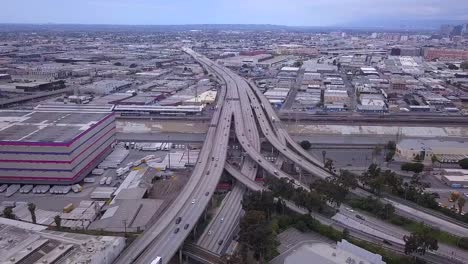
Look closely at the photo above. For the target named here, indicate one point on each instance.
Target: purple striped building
(53, 147)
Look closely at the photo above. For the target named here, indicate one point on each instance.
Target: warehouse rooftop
(24, 243)
(37, 126)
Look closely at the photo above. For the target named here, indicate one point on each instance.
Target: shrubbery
(414, 167)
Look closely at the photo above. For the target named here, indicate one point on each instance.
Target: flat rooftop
(39, 126)
(25, 245)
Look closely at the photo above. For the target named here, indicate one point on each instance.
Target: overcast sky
(279, 12)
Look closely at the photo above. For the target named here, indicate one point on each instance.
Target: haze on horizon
(278, 12)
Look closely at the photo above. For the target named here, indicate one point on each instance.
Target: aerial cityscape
(232, 132)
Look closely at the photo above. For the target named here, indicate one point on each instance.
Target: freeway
(165, 236)
(367, 228)
(376, 227)
(220, 229)
(238, 104)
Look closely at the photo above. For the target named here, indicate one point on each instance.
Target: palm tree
(461, 202)
(32, 210)
(454, 196)
(58, 221)
(376, 152)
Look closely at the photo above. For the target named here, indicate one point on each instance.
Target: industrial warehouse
(53, 147)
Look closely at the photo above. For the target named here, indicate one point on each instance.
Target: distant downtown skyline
(278, 12)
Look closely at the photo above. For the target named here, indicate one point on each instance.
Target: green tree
(298, 63)
(415, 167)
(32, 211)
(376, 152)
(257, 234)
(345, 233)
(420, 241)
(463, 163)
(260, 201)
(434, 159)
(329, 165)
(464, 65)
(8, 213)
(305, 144)
(335, 189)
(372, 178)
(58, 221)
(391, 145)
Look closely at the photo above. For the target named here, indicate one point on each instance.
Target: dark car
(177, 221)
(220, 242)
(360, 217)
(176, 231)
(207, 193)
(186, 226)
(385, 241)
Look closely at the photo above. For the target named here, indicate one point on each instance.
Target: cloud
(285, 12)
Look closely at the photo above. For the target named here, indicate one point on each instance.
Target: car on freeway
(360, 217)
(177, 221)
(186, 226)
(349, 209)
(220, 242)
(210, 232)
(222, 219)
(385, 241)
(176, 231)
(207, 193)
(193, 201)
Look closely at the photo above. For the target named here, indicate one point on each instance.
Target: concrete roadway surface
(259, 103)
(161, 239)
(164, 238)
(168, 242)
(216, 236)
(394, 234)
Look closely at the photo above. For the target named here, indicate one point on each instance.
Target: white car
(193, 201)
(222, 219)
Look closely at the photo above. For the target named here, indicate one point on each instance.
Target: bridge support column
(194, 230)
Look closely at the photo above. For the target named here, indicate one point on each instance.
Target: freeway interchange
(243, 110)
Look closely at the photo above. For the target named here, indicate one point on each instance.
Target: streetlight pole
(169, 153)
(188, 154)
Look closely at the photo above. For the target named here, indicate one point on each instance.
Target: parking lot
(56, 202)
